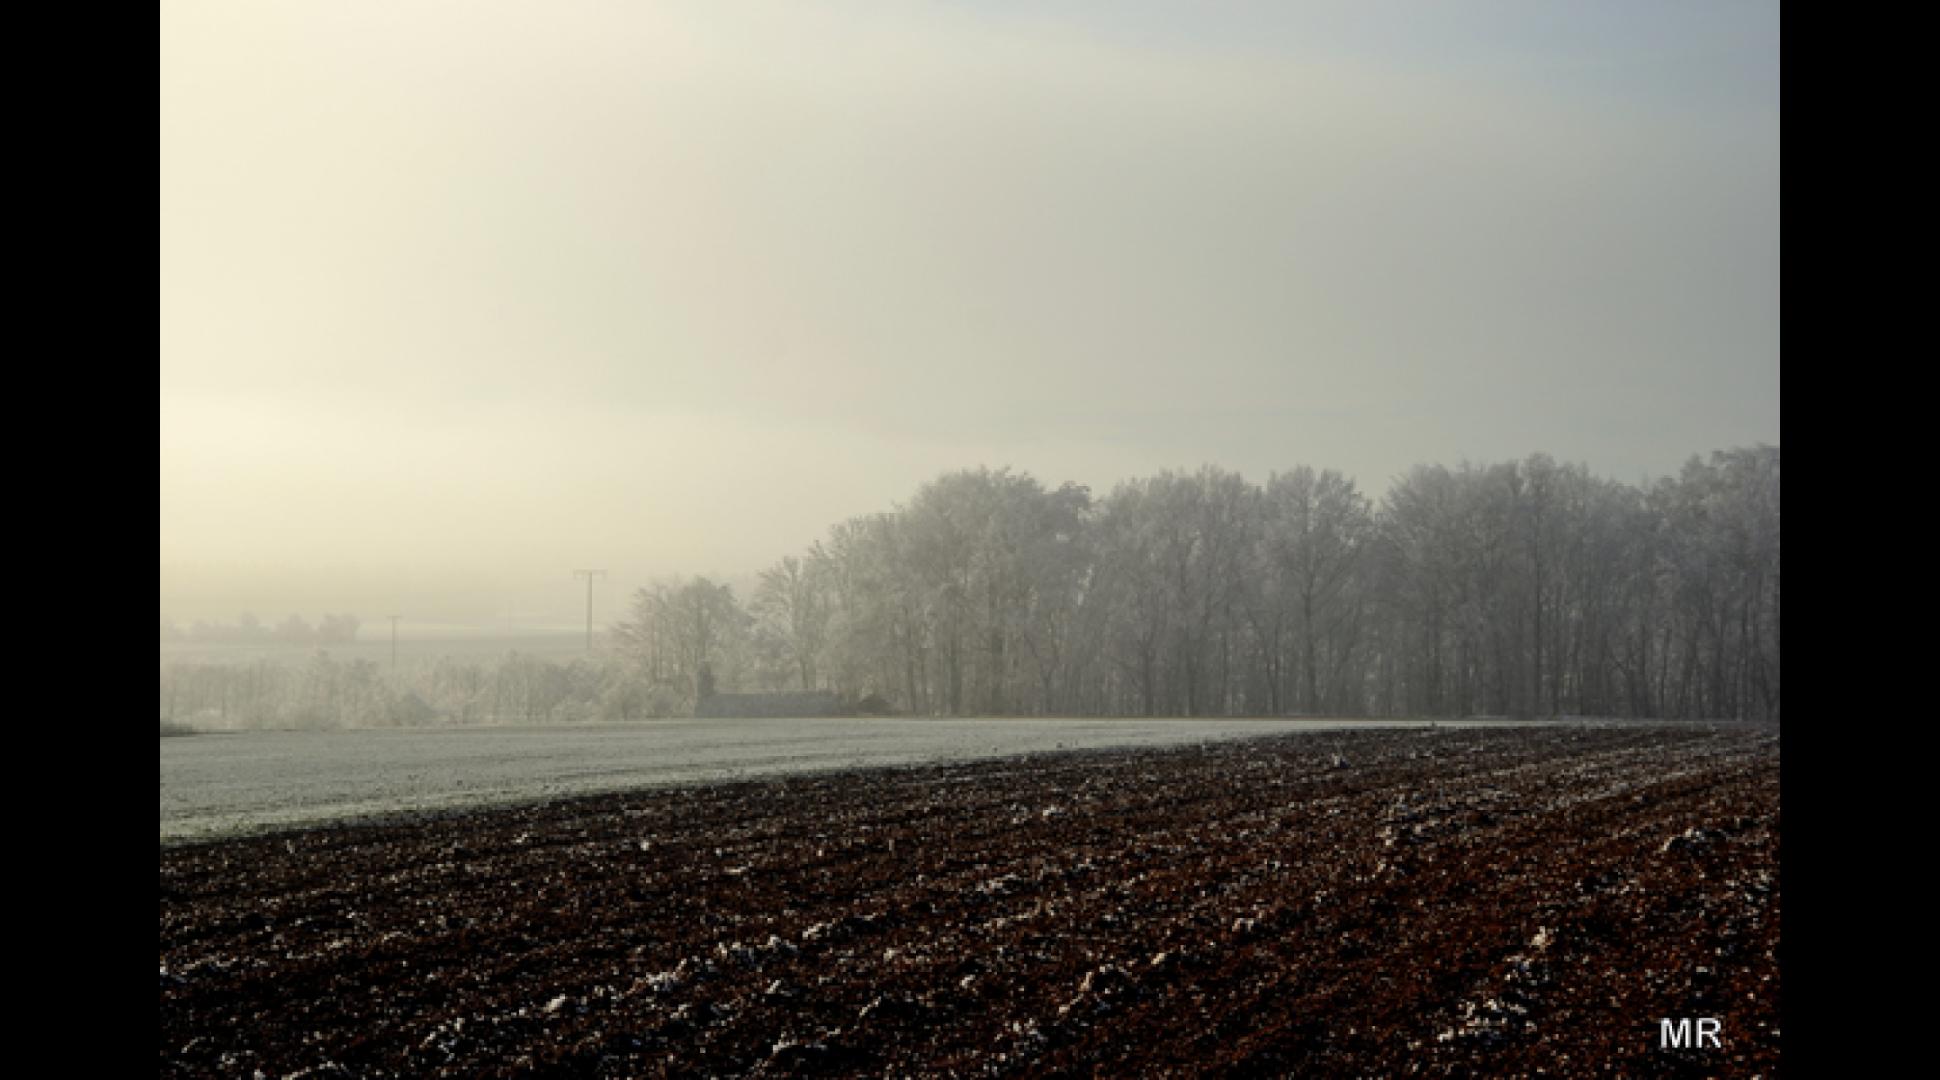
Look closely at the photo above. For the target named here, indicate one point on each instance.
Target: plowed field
(1447, 902)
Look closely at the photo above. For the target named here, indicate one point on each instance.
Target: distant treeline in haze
(1524, 588)
(247, 630)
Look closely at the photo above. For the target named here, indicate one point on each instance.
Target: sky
(459, 297)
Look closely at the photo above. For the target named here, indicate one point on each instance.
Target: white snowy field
(234, 782)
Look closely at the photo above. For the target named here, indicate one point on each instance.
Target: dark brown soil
(1444, 903)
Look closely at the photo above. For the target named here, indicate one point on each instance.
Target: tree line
(1523, 588)
(249, 630)
(325, 692)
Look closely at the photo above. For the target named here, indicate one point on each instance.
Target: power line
(590, 575)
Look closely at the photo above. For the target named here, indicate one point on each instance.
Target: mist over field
(1096, 537)
(1522, 589)
(968, 359)
(670, 289)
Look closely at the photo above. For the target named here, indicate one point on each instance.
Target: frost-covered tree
(1521, 588)
(680, 630)
(794, 609)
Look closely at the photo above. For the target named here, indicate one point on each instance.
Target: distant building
(781, 703)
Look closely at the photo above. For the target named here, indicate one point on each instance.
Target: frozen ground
(237, 782)
(1449, 903)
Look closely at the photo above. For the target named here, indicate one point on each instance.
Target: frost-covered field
(234, 782)
(1449, 903)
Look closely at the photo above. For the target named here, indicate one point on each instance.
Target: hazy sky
(456, 297)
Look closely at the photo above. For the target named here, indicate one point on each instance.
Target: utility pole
(590, 575)
(393, 619)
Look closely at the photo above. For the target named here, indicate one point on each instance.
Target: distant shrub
(170, 727)
(874, 705)
(408, 709)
